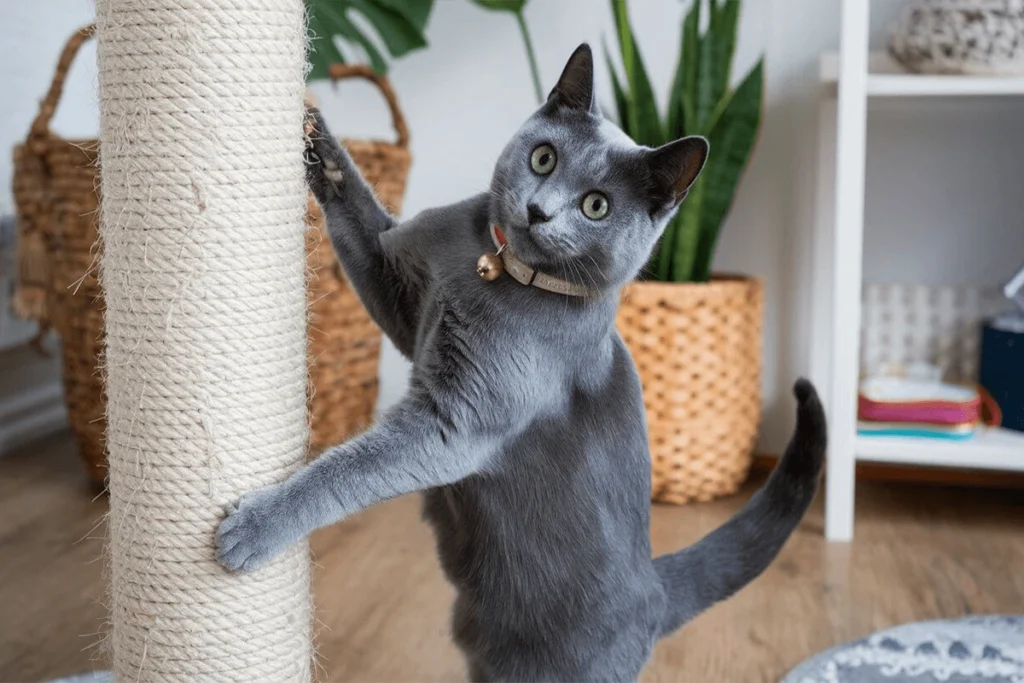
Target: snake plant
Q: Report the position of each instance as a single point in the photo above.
(701, 102)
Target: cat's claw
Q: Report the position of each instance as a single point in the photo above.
(246, 537)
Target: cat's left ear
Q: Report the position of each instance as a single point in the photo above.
(674, 168)
(575, 87)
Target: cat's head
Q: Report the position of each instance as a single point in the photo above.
(577, 197)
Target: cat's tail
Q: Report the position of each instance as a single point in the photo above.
(733, 555)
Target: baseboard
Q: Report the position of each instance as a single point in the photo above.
(31, 414)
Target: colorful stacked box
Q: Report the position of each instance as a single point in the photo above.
(900, 406)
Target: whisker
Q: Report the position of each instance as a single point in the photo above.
(596, 264)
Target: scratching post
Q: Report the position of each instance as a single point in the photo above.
(203, 268)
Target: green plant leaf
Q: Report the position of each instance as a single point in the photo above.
(660, 264)
(680, 120)
(514, 6)
(701, 102)
(690, 61)
(643, 121)
(399, 24)
(416, 11)
(676, 119)
(400, 35)
(323, 52)
(687, 234)
(351, 33)
(717, 47)
(732, 142)
(621, 104)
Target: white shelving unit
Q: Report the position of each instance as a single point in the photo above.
(989, 449)
(850, 78)
(887, 79)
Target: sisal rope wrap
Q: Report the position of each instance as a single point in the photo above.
(203, 270)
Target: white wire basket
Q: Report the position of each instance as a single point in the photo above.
(973, 37)
(903, 325)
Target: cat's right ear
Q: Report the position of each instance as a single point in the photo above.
(673, 169)
(575, 87)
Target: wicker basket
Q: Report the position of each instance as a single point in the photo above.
(698, 350)
(55, 182)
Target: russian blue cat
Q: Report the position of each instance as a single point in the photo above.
(523, 424)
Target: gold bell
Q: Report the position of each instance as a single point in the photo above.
(489, 266)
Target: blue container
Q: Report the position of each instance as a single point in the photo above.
(1002, 373)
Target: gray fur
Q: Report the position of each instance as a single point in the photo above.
(524, 424)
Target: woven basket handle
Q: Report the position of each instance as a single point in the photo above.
(339, 72)
(41, 124)
(991, 413)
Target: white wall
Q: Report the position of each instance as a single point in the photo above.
(469, 91)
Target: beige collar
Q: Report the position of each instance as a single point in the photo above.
(526, 275)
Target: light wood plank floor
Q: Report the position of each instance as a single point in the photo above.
(921, 552)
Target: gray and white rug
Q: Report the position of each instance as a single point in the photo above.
(986, 649)
(972, 650)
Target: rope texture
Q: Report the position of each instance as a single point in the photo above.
(203, 267)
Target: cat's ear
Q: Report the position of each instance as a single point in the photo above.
(575, 87)
(674, 168)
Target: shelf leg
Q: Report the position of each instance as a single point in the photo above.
(847, 264)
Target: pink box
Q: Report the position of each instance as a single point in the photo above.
(884, 399)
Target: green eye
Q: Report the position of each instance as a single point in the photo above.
(595, 206)
(543, 159)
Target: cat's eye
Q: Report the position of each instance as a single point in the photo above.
(543, 159)
(595, 206)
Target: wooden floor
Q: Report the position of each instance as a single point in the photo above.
(921, 552)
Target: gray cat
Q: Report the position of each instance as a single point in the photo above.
(523, 423)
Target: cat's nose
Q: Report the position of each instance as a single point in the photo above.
(535, 215)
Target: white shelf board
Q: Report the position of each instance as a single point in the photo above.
(989, 448)
(886, 78)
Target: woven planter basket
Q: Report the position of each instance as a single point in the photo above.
(55, 191)
(698, 349)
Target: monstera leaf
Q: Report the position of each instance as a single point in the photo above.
(398, 24)
(513, 6)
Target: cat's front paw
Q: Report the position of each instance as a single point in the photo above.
(324, 158)
(253, 532)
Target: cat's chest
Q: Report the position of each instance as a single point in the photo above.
(481, 365)
(474, 321)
